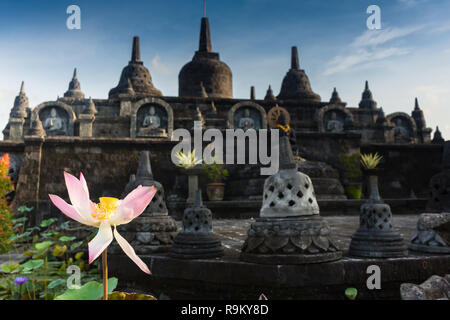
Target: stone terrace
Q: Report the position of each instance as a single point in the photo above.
(230, 278)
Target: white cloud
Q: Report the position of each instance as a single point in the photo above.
(159, 66)
(441, 28)
(369, 48)
(361, 57)
(379, 37)
(411, 3)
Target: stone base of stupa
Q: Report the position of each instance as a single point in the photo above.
(376, 237)
(293, 240)
(189, 245)
(384, 244)
(151, 234)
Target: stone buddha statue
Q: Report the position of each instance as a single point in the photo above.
(54, 125)
(151, 126)
(334, 125)
(151, 120)
(400, 132)
(246, 122)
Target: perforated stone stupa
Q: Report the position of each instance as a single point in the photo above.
(153, 230)
(290, 229)
(376, 236)
(197, 239)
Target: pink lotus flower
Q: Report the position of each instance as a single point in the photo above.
(110, 212)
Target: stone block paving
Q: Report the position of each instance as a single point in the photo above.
(234, 231)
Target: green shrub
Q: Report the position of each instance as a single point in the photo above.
(215, 172)
(6, 223)
(351, 165)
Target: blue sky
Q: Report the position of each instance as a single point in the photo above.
(408, 57)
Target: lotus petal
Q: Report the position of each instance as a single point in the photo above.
(67, 209)
(133, 205)
(129, 251)
(101, 241)
(78, 196)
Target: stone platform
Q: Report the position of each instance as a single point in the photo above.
(229, 278)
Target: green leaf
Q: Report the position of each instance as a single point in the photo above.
(7, 268)
(43, 245)
(90, 291)
(351, 293)
(23, 219)
(33, 264)
(79, 255)
(75, 245)
(56, 283)
(47, 223)
(66, 239)
(25, 209)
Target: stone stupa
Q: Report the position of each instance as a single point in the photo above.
(154, 229)
(197, 239)
(290, 229)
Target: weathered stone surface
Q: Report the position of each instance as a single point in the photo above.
(205, 70)
(154, 229)
(367, 101)
(197, 240)
(290, 241)
(74, 90)
(433, 234)
(435, 288)
(289, 230)
(376, 237)
(137, 74)
(21, 104)
(296, 84)
(232, 279)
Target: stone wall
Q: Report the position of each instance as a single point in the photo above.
(406, 168)
(108, 163)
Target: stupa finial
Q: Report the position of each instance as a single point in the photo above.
(205, 36)
(294, 59)
(136, 51)
(144, 168)
(416, 105)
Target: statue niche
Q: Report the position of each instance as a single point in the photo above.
(247, 118)
(402, 130)
(55, 121)
(334, 121)
(152, 121)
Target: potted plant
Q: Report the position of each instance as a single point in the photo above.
(352, 175)
(192, 167)
(369, 164)
(216, 175)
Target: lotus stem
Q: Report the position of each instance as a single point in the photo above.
(105, 273)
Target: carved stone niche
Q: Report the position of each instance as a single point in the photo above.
(404, 127)
(334, 119)
(151, 117)
(247, 115)
(57, 118)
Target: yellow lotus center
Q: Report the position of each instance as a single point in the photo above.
(105, 209)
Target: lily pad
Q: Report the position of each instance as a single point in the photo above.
(89, 291)
(66, 239)
(32, 264)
